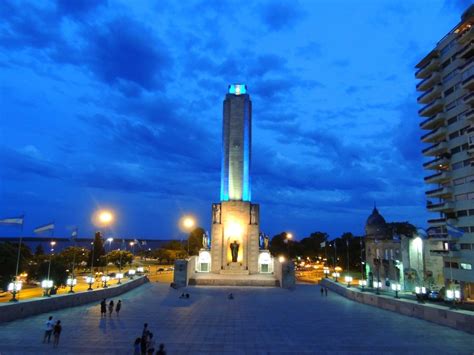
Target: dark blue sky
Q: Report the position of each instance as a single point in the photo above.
(119, 104)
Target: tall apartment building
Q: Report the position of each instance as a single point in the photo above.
(447, 84)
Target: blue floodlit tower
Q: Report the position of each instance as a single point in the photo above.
(236, 144)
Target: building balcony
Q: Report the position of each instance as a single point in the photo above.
(439, 252)
(466, 36)
(441, 163)
(427, 83)
(437, 135)
(467, 51)
(437, 178)
(430, 95)
(435, 149)
(434, 121)
(469, 99)
(440, 207)
(437, 222)
(469, 115)
(468, 83)
(432, 108)
(466, 65)
(427, 69)
(441, 192)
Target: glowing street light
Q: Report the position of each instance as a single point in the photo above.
(420, 293)
(14, 287)
(105, 279)
(46, 285)
(90, 280)
(377, 285)
(119, 276)
(106, 217)
(335, 275)
(396, 287)
(187, 224)
(348, 280)
(71, 282)
(326, 272)
(362, 284)
(140, 270)
(131, 273)
(281, 259)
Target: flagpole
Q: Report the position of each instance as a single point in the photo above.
(19, 250)
(73, 260)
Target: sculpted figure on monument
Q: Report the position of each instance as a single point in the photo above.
(265, 242)
(234, 248)
(261, 240)
(216, 213)
(253, 214)
(205, 240)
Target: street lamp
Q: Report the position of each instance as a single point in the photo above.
(377, 285)
(131, 273)
(348, 280)
(90, 280)
(420, 293)
(109, 240)
(140, 270)
(288, 237)
(187, 223)
(335, 275)
(105, 279)
(362, 284)
(46, 285)
(71, 282)
(119, 276)
(453, 295)
(14, 287)
(396, 287)
(326, 272)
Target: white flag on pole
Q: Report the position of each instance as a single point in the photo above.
(46, 227)
(12, 220)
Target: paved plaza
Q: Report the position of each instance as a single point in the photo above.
(257, 321)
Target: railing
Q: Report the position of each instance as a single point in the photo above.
(466, 64)
(466, 49)
(433, 176)
(435, 102)
(430, 119)
(432, 146)
(435, 190)
(434, 161)
(468, 97)
(464, 82)
(434, 132)
(435, 205)
(426, 93)
(471, 112)
(437, 220)
(424, 81)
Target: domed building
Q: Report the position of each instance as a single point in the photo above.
(376, 227)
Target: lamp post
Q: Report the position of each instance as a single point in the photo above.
(335, 275)
(453, 295)
(140, 270)
(119, 277)
(105, 279)
(52, 243)
(326, 272)
(348, 280)
(187, 224)
(288, 238)
(71, 282)
(420, 293)
(46, 285)
(90, 281)
(131, 273)
(396, 287)
(377, 285)
(362, 284)
(14, 288)
(109, 240)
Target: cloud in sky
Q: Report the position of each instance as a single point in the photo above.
(119, 103)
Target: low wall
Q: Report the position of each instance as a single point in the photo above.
(184, 269)
(461, 320)
(26, 308)
(285, 273)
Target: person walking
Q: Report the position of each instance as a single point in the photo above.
(150, 346)
(103, 308)
(322, 290)
(161, 350)
(48, 330)
(118, 307)
(57, 333)
(111, 308)
(326, 291)
(136, 346)
(144, 339)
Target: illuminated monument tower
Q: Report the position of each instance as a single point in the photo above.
(235, 245)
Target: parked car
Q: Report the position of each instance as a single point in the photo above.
(160, 269)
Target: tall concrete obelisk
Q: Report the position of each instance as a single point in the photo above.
(235, 220)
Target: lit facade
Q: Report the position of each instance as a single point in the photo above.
(447, 94)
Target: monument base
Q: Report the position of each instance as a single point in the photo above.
(256, 280)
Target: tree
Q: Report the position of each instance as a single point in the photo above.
(98, 251)
(120, 257)
(195, 240)
(280, 245)
(58, 271)
(173, 245)
(311, 246)
(74, 254)
(8, 259)
(39, 250)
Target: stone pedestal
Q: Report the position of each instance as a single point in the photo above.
(235, 221)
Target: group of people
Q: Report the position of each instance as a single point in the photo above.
(184, 295)
(324, 290)
(111, 307)
(146, 344)
(52, 328)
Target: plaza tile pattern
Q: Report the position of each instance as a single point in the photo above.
(257, 321)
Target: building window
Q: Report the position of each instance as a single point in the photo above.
(466, 266)
(454, 135)
(471, 212)
(462, 213)
(461, 197)
(465, 246)
(457, 165)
